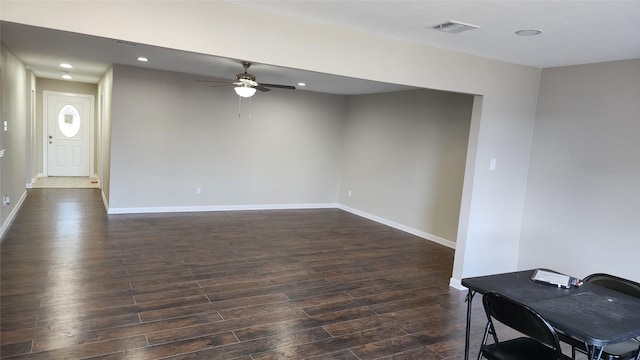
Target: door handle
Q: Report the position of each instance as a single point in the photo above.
(50, 139)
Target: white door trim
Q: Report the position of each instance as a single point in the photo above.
(45, 127)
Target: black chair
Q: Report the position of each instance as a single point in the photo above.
(625, 350)
(612, 282)
(541, 341)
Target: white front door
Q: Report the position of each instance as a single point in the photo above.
(69, 119)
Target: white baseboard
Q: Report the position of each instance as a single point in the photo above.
(104, 200)
(407, 229)
(12, 215)
(174, 209)
(456, 284)
(29, 185)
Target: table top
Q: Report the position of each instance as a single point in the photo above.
(590, 313)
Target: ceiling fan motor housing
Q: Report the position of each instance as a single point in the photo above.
(245, 76)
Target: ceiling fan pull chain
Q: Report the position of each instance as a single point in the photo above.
(250, 107)
(239, 105)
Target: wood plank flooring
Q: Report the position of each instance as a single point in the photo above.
(77, 283)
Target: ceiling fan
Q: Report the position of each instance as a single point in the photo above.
(246, 85)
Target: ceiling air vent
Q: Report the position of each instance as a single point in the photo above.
(124, 43)
(454, 27)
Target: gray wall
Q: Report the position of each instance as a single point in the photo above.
(401, 154)
(103, 125)
(15, 110)
(172, 134)
(582, 212)
(404, 158)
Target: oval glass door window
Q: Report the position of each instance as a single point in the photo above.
(69, 121)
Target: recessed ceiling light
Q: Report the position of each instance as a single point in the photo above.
(529, 32)
(302, 84)
(142, 59)
(66, 66)
(67, 77)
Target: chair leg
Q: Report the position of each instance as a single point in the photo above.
(484, 338)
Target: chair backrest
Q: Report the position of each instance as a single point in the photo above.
(612, 282)
(521, 318)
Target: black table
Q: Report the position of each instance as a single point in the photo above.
(590, 313)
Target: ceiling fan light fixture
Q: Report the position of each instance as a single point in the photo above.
(245, 91)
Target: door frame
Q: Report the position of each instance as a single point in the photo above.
(45, 128)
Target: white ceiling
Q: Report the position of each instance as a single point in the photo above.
(42, 50)
(574, 32)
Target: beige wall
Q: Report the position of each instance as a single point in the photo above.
(582, 213)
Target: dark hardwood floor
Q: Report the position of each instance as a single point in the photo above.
(77, 283)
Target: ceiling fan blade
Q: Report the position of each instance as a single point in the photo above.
(288, 87)
(216, 81)
(247, 80)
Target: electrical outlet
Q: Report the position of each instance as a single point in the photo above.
(198, 190)
(349, 193)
